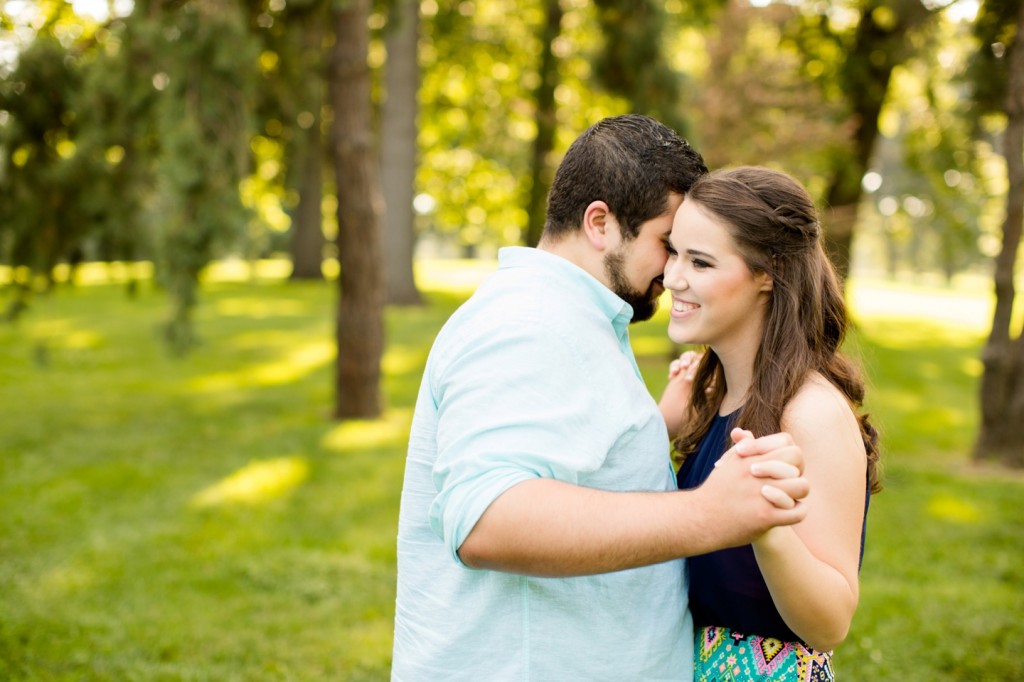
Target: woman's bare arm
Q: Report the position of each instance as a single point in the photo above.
(811, 568)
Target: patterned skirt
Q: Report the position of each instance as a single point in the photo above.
(722, 655)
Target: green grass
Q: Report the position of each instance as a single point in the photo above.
(203, 519)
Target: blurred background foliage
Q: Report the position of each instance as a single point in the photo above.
(180, 132)
(121, 121)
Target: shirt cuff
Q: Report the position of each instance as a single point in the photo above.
(457, 508)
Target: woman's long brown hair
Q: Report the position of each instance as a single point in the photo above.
(772, 219)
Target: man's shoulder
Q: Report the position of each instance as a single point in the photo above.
(511, 301)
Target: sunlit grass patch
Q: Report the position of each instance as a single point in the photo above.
(291, 365)
(255, 483)
(460, 276)
(953, 509)
(390, 430)
(968, 310)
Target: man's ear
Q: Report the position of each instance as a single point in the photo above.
(599, 225)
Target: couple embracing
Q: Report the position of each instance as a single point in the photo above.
(544, 532)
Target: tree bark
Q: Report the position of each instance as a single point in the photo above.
(541, 172)
(398, 152)
(307, 226)
(1001, 435)
(308, 151)
(360, 324)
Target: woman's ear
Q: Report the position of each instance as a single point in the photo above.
(767, 282)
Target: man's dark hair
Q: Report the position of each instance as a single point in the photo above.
(629, 162)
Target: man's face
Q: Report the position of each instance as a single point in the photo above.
(636, 267)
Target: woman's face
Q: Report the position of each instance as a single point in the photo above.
(716, 300)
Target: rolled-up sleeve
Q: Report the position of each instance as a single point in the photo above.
(513, 406)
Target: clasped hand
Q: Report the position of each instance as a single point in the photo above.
(778, 459)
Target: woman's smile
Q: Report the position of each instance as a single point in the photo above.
(681, 308)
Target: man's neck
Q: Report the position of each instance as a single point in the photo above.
(577, 250)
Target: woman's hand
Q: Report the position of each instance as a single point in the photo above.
(785, 468)
(676, 397)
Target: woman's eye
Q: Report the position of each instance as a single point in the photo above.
(700, 264)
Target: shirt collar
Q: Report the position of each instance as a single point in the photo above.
(619, 312)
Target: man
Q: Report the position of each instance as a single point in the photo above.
(540, 533)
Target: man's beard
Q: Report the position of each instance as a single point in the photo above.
(644, 303)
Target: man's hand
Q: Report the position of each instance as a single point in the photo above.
(545, 527)
(785, 466)
(756, 485)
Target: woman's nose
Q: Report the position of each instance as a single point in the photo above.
(673, 278)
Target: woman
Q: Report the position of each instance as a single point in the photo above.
(750, 281)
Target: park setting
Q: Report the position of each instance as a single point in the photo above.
(218, 299)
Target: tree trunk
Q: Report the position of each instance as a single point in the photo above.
(398, 152)
(1001, 435)
(541, 172)
(307, 226)
(633, 60)
(840, 219)
(360, 330)
(876, 51)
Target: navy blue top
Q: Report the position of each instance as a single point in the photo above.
(726, 586)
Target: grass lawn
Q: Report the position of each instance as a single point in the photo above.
(203, 519)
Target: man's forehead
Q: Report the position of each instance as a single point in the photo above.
(659, 227)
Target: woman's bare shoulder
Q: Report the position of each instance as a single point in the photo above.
(820, 407)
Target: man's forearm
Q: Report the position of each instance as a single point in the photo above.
(544, 527)
(549, 528)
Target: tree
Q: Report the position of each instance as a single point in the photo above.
(151, 111)
(933, 184)
(753, 104)
(307, 158)
(632, 63)
(477, 118)
(71, 129)
(40, 201)
(207, 65)
(307, 162)
(855, 64)
(1001, 29)
(541, 167)
(115, 108)
(398, 151)
(360, 319)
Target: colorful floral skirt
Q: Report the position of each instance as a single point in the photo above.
(722, 655)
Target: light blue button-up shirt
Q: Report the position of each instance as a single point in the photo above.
(532, 377)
